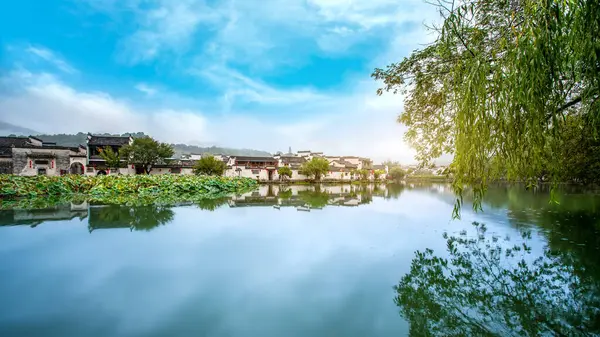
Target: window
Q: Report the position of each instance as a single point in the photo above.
(176, 170)
(41, 162)
(89, 169)
(255, 171)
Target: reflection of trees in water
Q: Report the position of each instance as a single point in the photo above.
(134, 217)
(212, 203)
(488, 287)
(315, 198)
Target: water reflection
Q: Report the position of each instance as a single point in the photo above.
(135, 218)
(488, 286)
(311, 197)
(34, 217)
(301, 197)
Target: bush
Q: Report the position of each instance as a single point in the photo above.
(378, 173)
(316, 168)
(284, 172)
(397, 173)
(209, 166)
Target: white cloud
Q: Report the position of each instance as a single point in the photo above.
(237, 87)
(146, 89)
(248, 31)
(361, 123)
(51, 57)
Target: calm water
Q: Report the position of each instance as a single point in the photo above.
(303, 261)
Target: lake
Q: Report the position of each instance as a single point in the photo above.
(306, 261)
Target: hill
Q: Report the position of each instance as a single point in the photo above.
(7, 128)
(80, 138)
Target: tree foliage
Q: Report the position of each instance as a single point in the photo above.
(378, 174)
(397, 173)
(112, 158)
(316, 167)
(209, 165)
(495, 87)
(363, 174)
(284, 172)
(146, 152)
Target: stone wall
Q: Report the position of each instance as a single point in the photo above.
(19, 161)
(6, 166)
(63, 161)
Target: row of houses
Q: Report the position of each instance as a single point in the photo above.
(31, 156)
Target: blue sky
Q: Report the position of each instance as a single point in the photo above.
(264, 74)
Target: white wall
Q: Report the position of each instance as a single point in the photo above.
(32, 170)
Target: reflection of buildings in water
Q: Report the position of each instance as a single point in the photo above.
(34, 217)
(303, 197)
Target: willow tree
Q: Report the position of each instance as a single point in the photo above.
(495, 86)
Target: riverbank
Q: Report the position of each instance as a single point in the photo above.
(122, 189)
(324, 182)
(419, 178)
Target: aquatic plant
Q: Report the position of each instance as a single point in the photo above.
(122, 188)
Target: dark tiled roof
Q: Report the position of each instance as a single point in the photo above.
(36, 138)
(379, 167)
(255, 159)
(108, 140)
(5, 152)
(289, 160)
(348, 164)
(14, 141)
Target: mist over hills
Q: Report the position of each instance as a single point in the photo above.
(7, 129)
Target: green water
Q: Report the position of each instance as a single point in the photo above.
(305, 261)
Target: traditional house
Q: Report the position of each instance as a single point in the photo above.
(175, 166)
(97, 165)
(294, 163)
(30, 156)
(259, 168)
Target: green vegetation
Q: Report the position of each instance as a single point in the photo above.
(138, 189)
(397, 173)
(314, 199)
(284, 172)
(112, 159)
(499, 88)
(377, 174)
(146, 152)
(363, 174)
(315, 168)
(209, 165)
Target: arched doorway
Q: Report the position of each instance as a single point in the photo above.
(76, 168)
(101, 173)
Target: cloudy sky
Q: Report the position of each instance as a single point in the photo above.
(263, 74)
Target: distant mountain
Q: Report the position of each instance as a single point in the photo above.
(80, 138)
(11, 129)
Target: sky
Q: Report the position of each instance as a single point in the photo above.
(261, 74)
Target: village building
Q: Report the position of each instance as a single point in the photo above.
(294, 163)
(96, 164)
(29, 156)
(259, 168)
